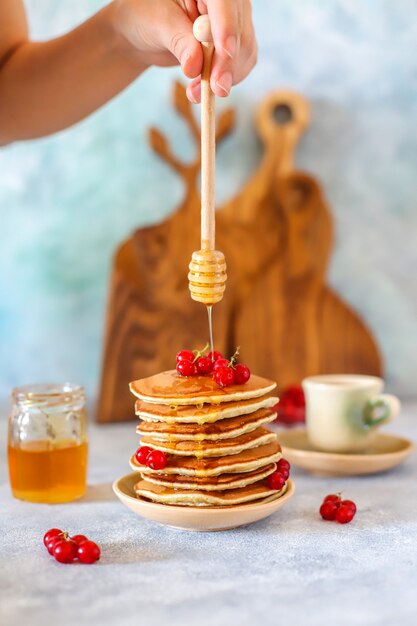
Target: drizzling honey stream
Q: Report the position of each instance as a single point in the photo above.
(207, 269)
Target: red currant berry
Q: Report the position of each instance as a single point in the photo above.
(142, 454)
(65, 551)
(186, 368)
(344, 514)
(242, 374)
(53, 532)
(215, 356)
(328, 510)
(156, 460)
(204, 365)
(283, 464)
(333, 497)
(284, 471)
(185, 355)
(276, 481)
(79, 539)
(349, 503)
(220, 363)
(224, 376)
(88, 552)
(291, 407)
(52, 543)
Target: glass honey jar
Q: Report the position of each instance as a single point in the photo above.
(47, 443)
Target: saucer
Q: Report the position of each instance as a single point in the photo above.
(386, 452)
(205, 518)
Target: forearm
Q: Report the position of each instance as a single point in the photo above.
(45, 87)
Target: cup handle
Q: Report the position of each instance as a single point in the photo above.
(381, 410)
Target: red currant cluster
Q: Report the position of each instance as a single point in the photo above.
(278, 479)
(67, 549)
(225, 372)
(336, 509)
(155, 459)
(292, 405)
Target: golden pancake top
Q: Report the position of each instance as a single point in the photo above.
(173, 389)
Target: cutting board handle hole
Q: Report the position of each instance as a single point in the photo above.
(282, 114)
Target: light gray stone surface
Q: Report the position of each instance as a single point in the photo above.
(290, 569)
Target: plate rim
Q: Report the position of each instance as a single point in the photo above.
(409, 447)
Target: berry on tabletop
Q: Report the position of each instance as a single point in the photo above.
(215, 356)
(328, 510)
(65, 551)
(344, 514)
(334, 508)
(350, 504)
(53, 532)
(79, 539)
(51, 544)
(333, 497)
(88, 552)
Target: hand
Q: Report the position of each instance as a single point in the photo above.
(160, 32)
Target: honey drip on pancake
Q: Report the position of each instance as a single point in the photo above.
(210, 322)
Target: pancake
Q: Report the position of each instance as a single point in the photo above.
(216, 483)
(220, 447)
(245, 461)
(222, 429)
(204, 413)
(184, 497)
(173, 389)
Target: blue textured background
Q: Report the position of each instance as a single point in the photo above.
(68, 200)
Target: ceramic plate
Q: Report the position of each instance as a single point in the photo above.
(386, 452)
(197, 518)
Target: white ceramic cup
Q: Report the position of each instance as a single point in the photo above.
(343, 411)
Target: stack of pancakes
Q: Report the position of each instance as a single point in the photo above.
(219, 452)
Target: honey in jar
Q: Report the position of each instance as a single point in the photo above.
(47, 447)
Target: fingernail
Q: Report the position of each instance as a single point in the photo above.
(231, 45)
(225, 82)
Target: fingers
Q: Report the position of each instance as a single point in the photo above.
(225, 19)
(194, 91)
(235, 45)
(177, 36)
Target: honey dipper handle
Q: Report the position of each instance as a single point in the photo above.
(202, 32)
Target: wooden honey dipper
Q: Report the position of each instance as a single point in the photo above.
(207, 275)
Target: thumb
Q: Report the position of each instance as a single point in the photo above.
(178, 38)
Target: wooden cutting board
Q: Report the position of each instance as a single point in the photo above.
(276, 235)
